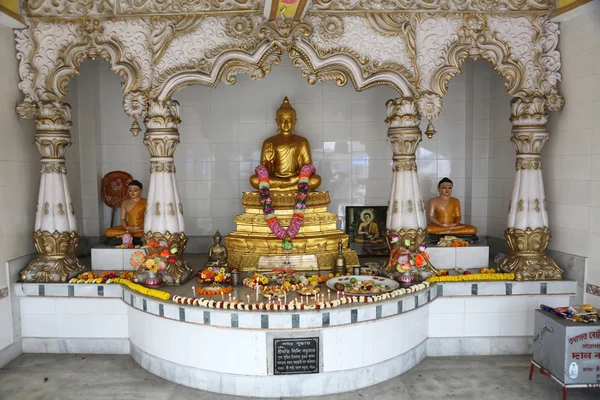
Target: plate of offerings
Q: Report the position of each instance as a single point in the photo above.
(309, 290)
(362, 285)
(273, 293)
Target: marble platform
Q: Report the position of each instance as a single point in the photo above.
(475, 256)
(111, 258)
(362, 344)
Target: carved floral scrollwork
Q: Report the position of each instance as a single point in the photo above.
(480, 35)
(331, 27)
(283, 33)
(430, 105)
(135, 103)
(239, 27)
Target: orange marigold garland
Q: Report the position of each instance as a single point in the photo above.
(214, 291)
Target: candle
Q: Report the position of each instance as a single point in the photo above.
(222, 297)
(338, 294)
(248, 299)
(230, 297)
(285, 297)
(257, 288)
(328, 295)
(194, 291)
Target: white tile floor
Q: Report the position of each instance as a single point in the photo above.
(119, 377)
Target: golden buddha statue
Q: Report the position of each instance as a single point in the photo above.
(444, 213)
(132, 213)
(285, 154)
(217, 253)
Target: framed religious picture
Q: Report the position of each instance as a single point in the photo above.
(366, 228)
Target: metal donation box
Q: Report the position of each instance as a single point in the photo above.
(568, 350)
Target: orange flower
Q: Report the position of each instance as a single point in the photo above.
(419, 260)
(153, 244)
(165, 253)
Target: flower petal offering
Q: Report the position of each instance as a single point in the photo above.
(362, 285)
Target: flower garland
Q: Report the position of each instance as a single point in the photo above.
(213, 274)
(264, 188)
(293, 305)
(159, 294)
(472, 277)
(106, 277)
(215, 291)
(286, 286)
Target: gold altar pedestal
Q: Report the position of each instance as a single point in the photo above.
(318, 235)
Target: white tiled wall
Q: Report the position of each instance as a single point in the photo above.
(223, 130)
(19, 178)
(572, 154)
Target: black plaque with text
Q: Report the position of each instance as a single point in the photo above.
(296, 356)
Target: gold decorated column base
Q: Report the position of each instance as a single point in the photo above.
(416, 237)
(527, 258)
(178, 272)
(56, 261)
(253, 239)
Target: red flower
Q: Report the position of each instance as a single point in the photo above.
(165, 253)
(172, 259)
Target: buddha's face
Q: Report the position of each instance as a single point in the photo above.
(286, 122)
(134, 192)
(445, 189)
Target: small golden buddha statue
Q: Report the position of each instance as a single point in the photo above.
(444, 213)
(132, 213)
(217, 253)
(285, 154)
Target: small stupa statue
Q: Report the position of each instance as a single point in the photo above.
(132, 214)
(444, 213)
(285, 154)
(217, 253)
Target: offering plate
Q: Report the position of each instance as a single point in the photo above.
(386, 284)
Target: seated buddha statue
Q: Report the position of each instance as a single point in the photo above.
(132, 213)
(217, 253)
(368, 229)
(444, 213)
(285, 154)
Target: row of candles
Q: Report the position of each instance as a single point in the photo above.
(317, 298)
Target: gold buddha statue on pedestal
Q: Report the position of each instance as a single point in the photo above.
(444, 213)
(132, 214)
(285, 154)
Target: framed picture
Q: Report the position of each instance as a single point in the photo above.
(366, 228)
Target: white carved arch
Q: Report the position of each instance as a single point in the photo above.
(158, 50)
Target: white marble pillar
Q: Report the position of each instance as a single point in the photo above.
(406, 209)
(164, 212)
(527, 234)
(55, 232)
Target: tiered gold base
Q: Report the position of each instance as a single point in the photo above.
(318, 235)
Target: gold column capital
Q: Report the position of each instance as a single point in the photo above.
(162, 115)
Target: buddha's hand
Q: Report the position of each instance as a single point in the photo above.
(269, 152)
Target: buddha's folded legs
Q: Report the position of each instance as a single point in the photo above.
(118, 231)
(462, 229)
(278, 184)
